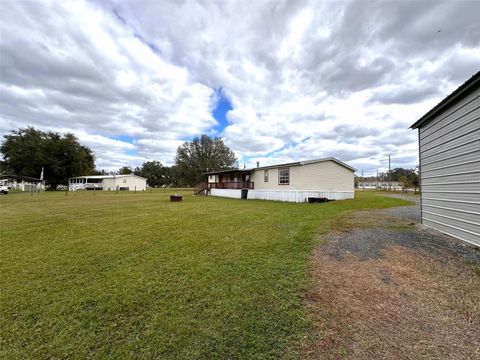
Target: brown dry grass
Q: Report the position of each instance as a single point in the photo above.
(402, 305)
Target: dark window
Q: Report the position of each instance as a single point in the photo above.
(265, 175)
(284, 176)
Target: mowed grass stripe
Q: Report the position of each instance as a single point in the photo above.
(135, 276)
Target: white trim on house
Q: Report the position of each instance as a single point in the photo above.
(284, 195)
(306, 162)
(230, 193)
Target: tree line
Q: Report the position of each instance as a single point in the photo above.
(27, 151)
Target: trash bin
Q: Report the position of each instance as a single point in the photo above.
(244, 193)
(317, 199)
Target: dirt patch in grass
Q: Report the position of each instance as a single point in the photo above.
(385, 288)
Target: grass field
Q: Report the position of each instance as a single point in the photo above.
(135, 276)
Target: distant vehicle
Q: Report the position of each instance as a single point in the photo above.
(3, 187)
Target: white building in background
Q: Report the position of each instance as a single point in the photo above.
(327, 178)
(22, 183)
(128, 182)
(381, 184)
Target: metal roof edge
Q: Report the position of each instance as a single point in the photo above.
(305, 162)
(296, 163)
(22, 177)
(331, 158)
(461, 91)
(224, 171)
(106, 176)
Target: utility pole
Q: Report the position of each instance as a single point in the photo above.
(376, 181)
(363, 182)
(389, 174)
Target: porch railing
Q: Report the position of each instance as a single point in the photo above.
(84, 186)
(232, 185)
(200, 188)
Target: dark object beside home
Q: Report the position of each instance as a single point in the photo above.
(244, 193)
(317, 199)
(175, 197)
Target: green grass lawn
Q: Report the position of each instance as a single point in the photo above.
(135, 276)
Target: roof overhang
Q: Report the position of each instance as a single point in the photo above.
(227, 171)
(306, 162)
(107, 176)
(19, 177)
(296, 163)
(466, 88)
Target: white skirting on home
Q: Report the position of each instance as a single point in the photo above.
(231, 193)
(284, 195)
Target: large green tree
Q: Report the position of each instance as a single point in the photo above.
(155, 173)
(26, 151)
(396, 174)
(200, 155)
(125, 170)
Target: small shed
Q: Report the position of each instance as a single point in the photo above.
(449, 150)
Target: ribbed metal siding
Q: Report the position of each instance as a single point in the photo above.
(450, 170)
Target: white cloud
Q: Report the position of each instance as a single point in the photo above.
(73, 66)
(306, 78)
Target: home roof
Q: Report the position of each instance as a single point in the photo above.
(20, 177)
(463, 90)
(105, 176)
(297, 163)
(306, 162)
(226, 171)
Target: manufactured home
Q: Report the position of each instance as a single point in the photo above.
(380, 185)
(108, 182)
(449, 149)
(23, 183)
(327, 178)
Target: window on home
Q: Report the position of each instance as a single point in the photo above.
(265, 175)
(284, 176)
(124, 181)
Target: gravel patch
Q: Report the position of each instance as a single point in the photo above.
(411, 213)
(367, 244)
(390, 288)
(399, 226)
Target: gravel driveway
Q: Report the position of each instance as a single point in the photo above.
(391, 288)
(406, 212)
(399, 226)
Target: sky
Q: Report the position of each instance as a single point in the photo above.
(278, 81)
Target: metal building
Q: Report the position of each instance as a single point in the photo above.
(449, 148)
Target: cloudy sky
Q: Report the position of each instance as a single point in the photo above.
(277, 80)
